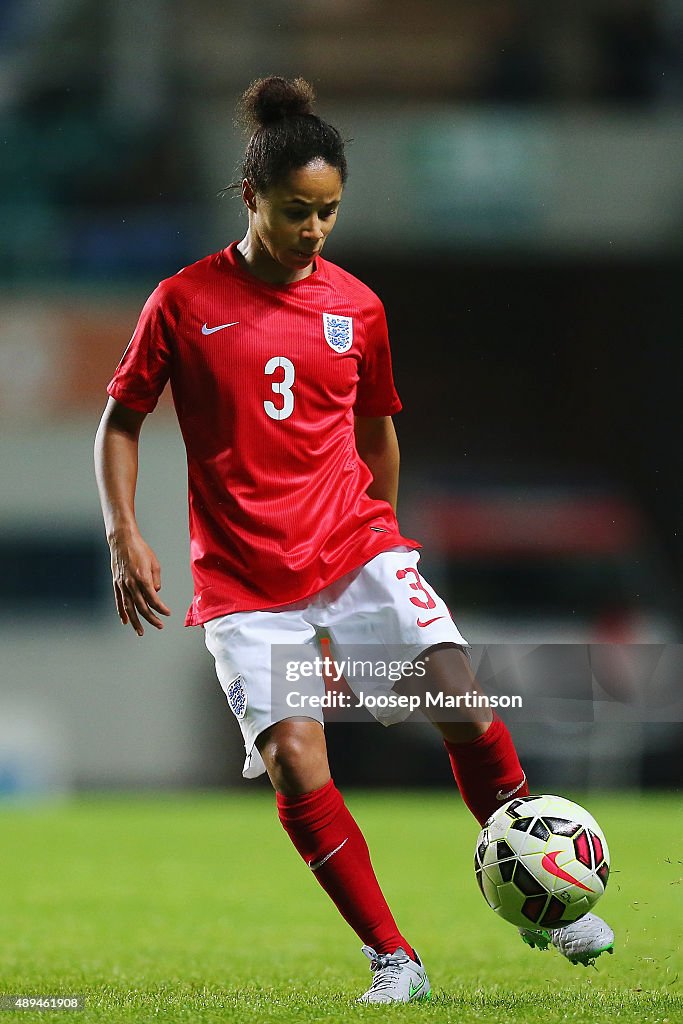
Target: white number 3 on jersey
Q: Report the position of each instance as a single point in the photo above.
(282, 388)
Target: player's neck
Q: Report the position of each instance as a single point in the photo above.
(257, 261)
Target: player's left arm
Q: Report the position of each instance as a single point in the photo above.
(377, 445)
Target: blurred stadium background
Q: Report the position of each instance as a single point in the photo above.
(515, 197)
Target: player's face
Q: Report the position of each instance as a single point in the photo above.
(292, 220)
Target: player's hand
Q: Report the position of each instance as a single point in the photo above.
(136, 575)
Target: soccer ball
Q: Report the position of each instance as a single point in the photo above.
(541, 861)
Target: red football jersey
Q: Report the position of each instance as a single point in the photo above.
(266, 380)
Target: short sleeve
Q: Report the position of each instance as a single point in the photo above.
(376, 394)
(145, 366)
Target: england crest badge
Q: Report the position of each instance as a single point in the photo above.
(237, 698)
(338, 331)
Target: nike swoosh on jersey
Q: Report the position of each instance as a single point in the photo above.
(500, 795)
(221, 327)
(549, 864)
(429, 621)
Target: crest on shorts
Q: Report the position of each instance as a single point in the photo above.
(338, 331)
(237, 697)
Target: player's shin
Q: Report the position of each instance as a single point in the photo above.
(481, 751)
(487, 770)
(327, 837)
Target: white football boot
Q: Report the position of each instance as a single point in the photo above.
(397, 978)
(581, 942)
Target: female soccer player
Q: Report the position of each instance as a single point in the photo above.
(281, 377)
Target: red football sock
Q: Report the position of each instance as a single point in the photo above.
(329, 840)
(487, 770)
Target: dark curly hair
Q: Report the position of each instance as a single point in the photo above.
(285, 133)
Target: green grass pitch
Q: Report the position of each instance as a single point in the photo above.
(195, 908)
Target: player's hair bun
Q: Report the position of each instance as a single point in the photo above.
(268, 100)
(284, 133)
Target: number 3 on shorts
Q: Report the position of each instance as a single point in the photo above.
(418, 585)
(281, 387)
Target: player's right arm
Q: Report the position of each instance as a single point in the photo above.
(136, 573)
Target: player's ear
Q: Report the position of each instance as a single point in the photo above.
(248, 195)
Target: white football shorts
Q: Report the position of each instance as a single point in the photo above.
(384, 606)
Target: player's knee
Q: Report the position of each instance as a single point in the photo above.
(294, 754)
